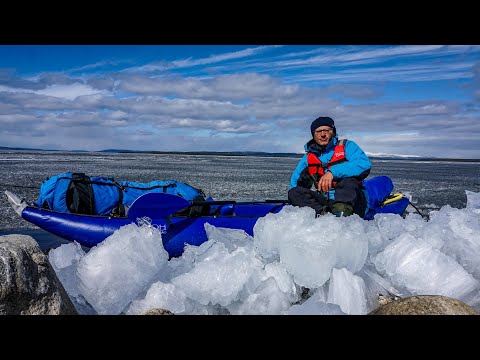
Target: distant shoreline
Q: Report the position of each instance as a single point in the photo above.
(234, 153)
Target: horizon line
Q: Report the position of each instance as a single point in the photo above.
(375, 156)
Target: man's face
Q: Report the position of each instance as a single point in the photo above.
(323, 135)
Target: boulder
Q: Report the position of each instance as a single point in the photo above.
(158, 312)
(425, 305)
(28, 283)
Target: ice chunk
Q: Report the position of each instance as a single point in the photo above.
(267, 299)
(219, 280)
(65, 255)
(348, 291)
(161, 296)
(423, 270)
(113, 273)
(310, 247)
(231, 238)
(473, 199)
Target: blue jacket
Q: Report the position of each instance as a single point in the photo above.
(358, 164)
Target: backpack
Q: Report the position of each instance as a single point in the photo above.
(81, 194)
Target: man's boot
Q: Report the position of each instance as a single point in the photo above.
(321, 210)
(342, 209)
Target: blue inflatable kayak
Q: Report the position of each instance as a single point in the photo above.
(182, 221)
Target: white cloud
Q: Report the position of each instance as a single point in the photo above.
(70, 92)
(186, 63)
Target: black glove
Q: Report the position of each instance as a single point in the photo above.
(305, 179)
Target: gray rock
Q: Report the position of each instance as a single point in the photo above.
(28, 283)
(425, 305)
(158, 312)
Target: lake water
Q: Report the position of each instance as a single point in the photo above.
(431, 184)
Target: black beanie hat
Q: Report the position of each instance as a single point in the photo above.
(322, 121)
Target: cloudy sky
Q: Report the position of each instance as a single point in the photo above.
(421, 100)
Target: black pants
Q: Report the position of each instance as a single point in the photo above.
(347, 190)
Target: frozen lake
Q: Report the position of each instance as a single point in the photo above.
(431, 184)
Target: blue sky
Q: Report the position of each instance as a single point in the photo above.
(421, 100)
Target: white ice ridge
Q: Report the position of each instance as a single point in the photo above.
(294, 264)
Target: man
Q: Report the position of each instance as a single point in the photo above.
(336, 168)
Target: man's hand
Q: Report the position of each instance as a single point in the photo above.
(325, 182)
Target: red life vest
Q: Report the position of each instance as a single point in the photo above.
(316, 167)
